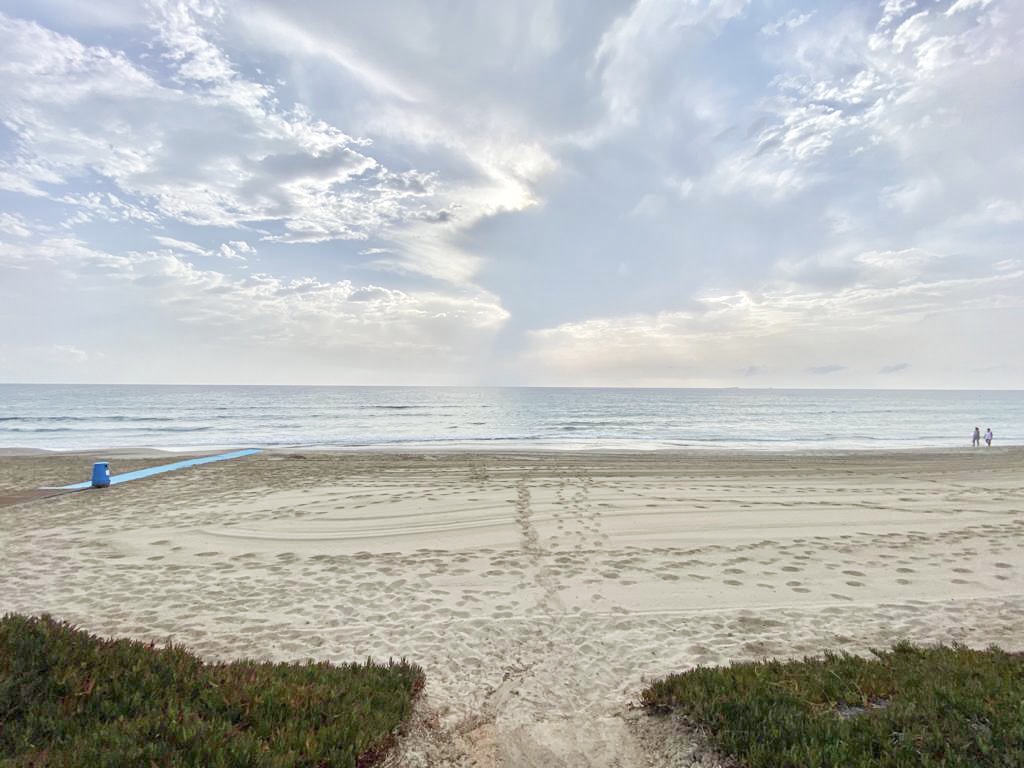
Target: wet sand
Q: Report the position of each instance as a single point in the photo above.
(538, 590)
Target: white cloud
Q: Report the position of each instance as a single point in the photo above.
(660, 192)
(913, 195)
(792, 20)
(780, 329)
(236, 250)
(366, 326)
(633, 47)
(649, 206)
(70, 352)
(966, 5)
(14, 224)
(911, 31)
(208, 147)
(470, 125)
(181, 245)
(105, 206)
(1002, 211)
(279, 32)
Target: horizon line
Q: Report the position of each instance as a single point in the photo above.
(512, 386)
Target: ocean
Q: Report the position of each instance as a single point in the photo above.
(68, 417)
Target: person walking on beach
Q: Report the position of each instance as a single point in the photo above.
(988, 437)
(976, 440)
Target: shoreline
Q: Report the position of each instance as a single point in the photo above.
(418, 450)
(538, 590)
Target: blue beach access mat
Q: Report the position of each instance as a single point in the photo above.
(138, 474)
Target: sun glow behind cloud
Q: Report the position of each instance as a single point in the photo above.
(652, 193)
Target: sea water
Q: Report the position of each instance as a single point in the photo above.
(66, 417)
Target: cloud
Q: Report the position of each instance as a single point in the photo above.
(651, 193)
(14, 224)
(792, 20)
(361, 327)
(896, 368)
(853, 89)
(409, 75)
(776, 331)
(50, 356)
(631, 51)
(966, 5)
(181, 245)
(78, 110)
(236, 250)
(70, 352)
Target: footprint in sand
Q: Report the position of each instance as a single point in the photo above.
(733, 583)
(904, 581)
(1003, 565)
(855, 583)
(853, 573)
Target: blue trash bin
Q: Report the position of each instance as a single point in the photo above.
(100, 474)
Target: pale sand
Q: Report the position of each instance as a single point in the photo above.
(539, 591)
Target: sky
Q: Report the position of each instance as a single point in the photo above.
(695, 193)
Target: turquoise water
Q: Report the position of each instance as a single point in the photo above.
(64, 417)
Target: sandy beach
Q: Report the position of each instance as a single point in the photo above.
(538, 590)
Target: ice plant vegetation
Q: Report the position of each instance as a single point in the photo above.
(69, 698)
(911, 706)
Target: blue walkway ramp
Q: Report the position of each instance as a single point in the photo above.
(138, 474)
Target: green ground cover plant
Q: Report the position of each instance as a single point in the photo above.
(911, 706)
(68, 698)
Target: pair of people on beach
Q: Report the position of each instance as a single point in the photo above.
(976, 442)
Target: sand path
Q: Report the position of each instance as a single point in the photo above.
(538, 591)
